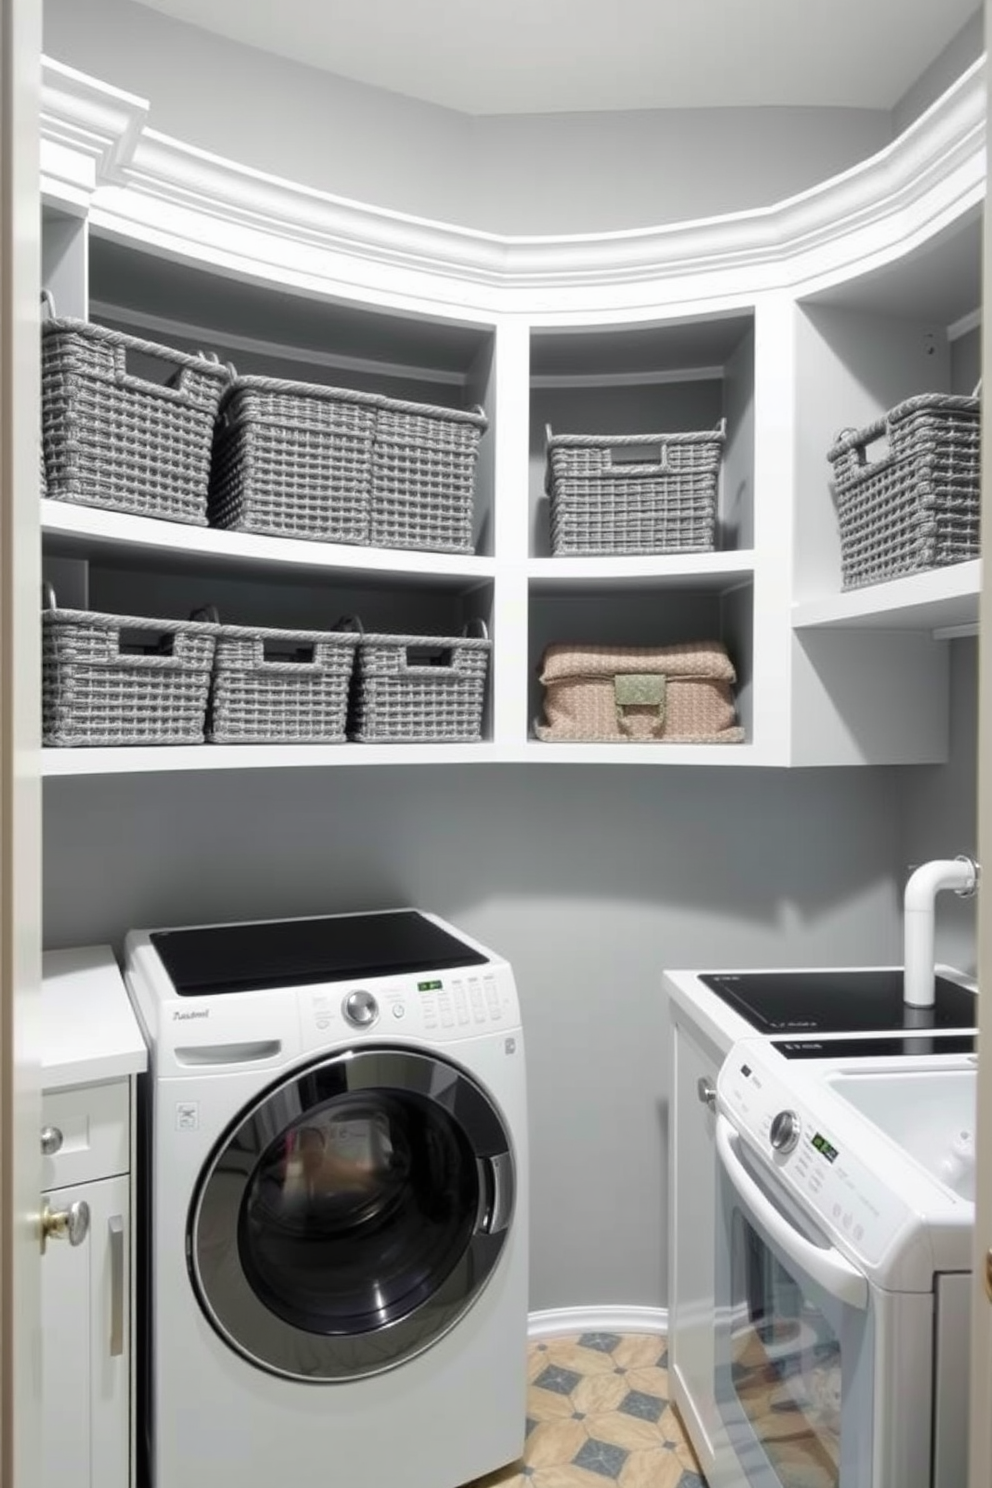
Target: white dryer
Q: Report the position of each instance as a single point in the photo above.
(336, 1203)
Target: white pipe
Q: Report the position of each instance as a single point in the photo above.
(959, 874)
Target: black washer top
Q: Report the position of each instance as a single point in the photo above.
(810, 1002)
(298, 953)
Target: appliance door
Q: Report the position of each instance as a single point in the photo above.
(795, 1339)
(352, 1215)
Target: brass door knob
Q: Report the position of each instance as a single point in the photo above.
(70, 1224)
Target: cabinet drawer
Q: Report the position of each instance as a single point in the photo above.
(93, 1122)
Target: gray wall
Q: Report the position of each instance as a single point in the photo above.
(955, 59)
(531, 174)
(591, 879)
(938, 807)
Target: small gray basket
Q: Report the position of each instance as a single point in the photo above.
(633, 493)
(280, 686)
(293, 459)
(414, 689)
(423, 476)
(117, 679)
(916, 507)
(113, 439)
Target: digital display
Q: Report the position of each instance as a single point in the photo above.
(429, 986)
(824, 1147)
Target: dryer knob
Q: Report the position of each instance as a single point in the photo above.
(361, 1009)
(785, 1132)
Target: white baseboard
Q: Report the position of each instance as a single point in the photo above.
(558, 1320)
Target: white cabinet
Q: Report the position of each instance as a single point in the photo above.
(86, 1322)
(91, 1055)
(790, 323)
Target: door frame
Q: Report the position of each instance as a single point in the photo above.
(20, 761)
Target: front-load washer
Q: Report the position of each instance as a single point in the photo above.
(335, 1167)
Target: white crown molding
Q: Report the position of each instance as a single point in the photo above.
(186, 200)
(89, 119)
(558, 1321)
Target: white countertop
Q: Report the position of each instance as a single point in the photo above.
(89, 1031)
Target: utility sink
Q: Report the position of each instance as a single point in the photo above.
(930, 1114)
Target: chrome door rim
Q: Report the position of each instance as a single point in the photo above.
(224, 1290)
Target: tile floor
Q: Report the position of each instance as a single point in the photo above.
(598, 1413)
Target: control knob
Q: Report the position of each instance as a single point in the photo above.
(361, 1009)
(786, 1131)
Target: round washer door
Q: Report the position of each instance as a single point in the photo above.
(353, 1215)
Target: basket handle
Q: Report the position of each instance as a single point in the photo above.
(350, 623)
(48, 600)
(175, 390)
(208, 613)
(47, 304)
(478, 625)
(632, 457)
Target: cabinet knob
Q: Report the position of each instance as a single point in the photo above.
(51, 1141)
(706, 1091)
(70, 1224)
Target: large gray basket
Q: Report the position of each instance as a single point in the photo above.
(633, 493)
(916, 507)
(294, 459)
(113, 439)
(280, 686)
(118, 679)
(420, 689)
(423, 476)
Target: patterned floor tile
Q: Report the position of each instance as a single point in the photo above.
(654, 1468)
(599, 1416)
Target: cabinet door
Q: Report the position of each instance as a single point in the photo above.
(692, 1304)
(86, 1343)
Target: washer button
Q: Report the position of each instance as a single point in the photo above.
(399, 1010)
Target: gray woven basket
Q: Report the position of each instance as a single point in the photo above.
(293, 459)
(419, 689)
(917, 507)
(423, 477)
(633, 493)
(280, 686)
(113, 439)
(116, 679)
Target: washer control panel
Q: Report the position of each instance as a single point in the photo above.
(818, 1152)
(461, 1003)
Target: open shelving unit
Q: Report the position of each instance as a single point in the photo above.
(786, 338)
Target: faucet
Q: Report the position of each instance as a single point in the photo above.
(960, 874)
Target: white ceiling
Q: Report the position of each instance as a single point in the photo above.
(537, 56)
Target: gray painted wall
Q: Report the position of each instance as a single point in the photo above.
(956, 57)
(531, 174)
(939, 810)
(590, 879)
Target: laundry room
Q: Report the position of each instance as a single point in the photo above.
(767, 271)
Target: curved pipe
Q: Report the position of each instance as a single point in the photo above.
(930, 879)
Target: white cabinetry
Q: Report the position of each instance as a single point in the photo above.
(92, 1052)
(790, 323)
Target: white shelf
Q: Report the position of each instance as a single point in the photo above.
(941, 599)
(95, 533)
(686, 570)
(170, 759)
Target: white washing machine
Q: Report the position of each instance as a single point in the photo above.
(336, 1203)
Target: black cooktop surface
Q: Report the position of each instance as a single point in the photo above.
(811, 1002)
(889, 1046)
(297, 953)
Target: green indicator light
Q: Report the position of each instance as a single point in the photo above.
(428, 986)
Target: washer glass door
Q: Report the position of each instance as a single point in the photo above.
(352, 1216)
